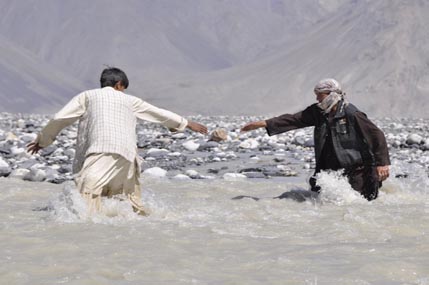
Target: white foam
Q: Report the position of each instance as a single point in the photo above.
(70, 207)
(336, 189)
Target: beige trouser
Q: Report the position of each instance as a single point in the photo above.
(107, 175)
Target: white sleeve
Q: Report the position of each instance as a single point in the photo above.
(69, 114)
(147, 112)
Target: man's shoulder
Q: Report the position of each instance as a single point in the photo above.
(108, 91)
(352, 109)
(313, 108)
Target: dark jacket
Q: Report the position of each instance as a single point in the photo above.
(346, 140)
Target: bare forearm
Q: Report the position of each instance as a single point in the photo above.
(254, 125)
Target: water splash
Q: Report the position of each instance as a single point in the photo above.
(70, 207)
(337, 190)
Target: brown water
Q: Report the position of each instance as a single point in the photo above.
(198, 234)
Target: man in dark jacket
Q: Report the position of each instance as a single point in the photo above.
(344, 138)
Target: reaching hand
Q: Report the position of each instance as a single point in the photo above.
(196, 127)
(33, 147)
(253, 126)
(383, 172)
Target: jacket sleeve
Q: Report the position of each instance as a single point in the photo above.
(69, 114)
(147, 112)
(375, 139)
(287, 122)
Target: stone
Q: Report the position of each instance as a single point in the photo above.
(5, 169)
(218, 135)
(11, 137)
(27, 164)
(17, 151)
(35, 175)
(309, 143)
(48, 150)
(157, 152)
(71, 135)
(19, 173)
(249, 144)
(213, 171)
(191, 145)
(234, 176)
(193, 174)
(178, 136)
(254, 174)
(414, 139)
(4, 150)
(208, 146)
(20, 123)
(181, 177)
(59, 151)
(70, 152)
(251, 169)
(67, 168)
(155, 172)
(27, 138)
(299, 140)
(425, 145)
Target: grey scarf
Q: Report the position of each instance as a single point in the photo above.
(330, 101)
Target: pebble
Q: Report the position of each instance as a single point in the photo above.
(19, 173)
(414, 139)
(35, 175)
(191, 145)
(155, 172)
(193, 174)
(249, 144)
(17, 150)
(181, 177)
(234, 176)
(5, 169)
(27, 138)
(425, 144)
(156, 152)
(254, 174)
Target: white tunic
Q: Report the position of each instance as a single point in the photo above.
(107, 123)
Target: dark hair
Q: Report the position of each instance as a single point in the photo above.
(112, 75)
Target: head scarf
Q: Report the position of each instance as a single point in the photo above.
(333, 88)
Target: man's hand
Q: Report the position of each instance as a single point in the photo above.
(33, 147)
(383, 172)
(253, 126)
(196, 127)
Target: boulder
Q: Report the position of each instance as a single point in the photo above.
(191, 145)
(5, 169)
(19, 173)
(414, 139)
(155, 172)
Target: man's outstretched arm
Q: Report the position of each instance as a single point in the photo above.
(69, 114)
(147, 112)
(253, 126)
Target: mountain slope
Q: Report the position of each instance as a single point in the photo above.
(378, 50)
(216, 56)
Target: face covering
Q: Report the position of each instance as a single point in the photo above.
(329, 102)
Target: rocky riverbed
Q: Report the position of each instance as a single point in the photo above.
(189, 155)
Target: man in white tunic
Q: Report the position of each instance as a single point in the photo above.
(106, 160)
